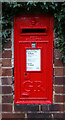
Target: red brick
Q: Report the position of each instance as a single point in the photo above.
(7, 44)
(6, 63)
(0, 89)
(0, 54)
(0, 107)
(59, 98)
(52, 107)
(26, 107)
(64, 106)
(6, 72)
(60, 116)
(58, 62)
(6, 108)
(0, 62)
(0, 71)
(57, 53)
(55, 41)
(13, 116)
(7, 81)
(0, 98)
(64, 71)
(6, 89)
(7, 99)
(60, 89)
(7, 54)
(59, 80)
(39, 115)
(59, 71)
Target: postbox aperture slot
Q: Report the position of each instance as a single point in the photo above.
(33, 30)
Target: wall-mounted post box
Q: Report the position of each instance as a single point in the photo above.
(33, 59)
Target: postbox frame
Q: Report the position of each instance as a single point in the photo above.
(18, 99)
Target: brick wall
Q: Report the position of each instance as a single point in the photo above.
(9, 109)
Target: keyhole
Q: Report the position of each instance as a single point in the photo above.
(25, 74)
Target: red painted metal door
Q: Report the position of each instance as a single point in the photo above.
(33, 42)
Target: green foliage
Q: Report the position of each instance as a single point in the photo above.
(10, 9)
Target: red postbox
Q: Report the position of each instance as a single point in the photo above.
(33, 59)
